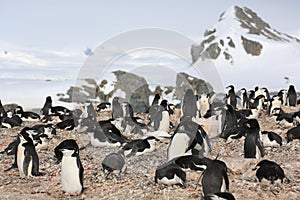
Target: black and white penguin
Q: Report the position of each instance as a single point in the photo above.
(170, 174)
(271, 139)
(103, 106)
(159, 118)
(7, 122)
(47, 129)
(283, 95)
(139, 146)
(41, 142)
(188, 138)
(71, 171)
(189, 105)
(214, 179)
(26, 115)
(49, 109)
(229, 120)
(192, 162)
(231, 97)
(269, 170)
(293, 134)
(292, 96)
(253, 145)
(68, 143)
(67, 124)
(219, 196)
(27, 157)
(244, 98)
(275, 103)
(113, 163)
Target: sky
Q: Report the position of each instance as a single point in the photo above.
(46, 39)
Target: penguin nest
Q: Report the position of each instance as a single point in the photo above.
(138, 180)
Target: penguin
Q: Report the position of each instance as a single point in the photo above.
(292, 96)
(103, 106)
(26, 155)
(189, 105)
(41, 142)
(188, 138)
(275, 103)
(204, 106)
(244, 98)
(159, 118)
(2, 111)
(113, 163)
(215, 178)
(65, 144)
(6, 122)
(156, 100)
(253, 140)
(269, 170)
(231, 97)
(139, 146)
(282, 118)
(219, 196)
(230, 120)
(271, 139)
(48, 109)
(71, 171)
(293, 133)
(170, 174)
(47, 129)
(26, 116)
(68, 124)
(117, 110)
(296, 117)
(192, 162)
(47, 106)
(283, 95)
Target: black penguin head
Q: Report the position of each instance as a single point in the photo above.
(19, 110)
(230, 88)
(48, 99)
(164, 103)
(26, 135)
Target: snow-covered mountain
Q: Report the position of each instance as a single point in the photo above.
(247, 51)
(238, 29)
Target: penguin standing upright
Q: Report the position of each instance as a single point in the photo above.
(253, 140)
(215, 177)
(2, 111)
(188, 104)
(26, 155)
(292, 96)
(71, 171)
(231, 96)
(159, 118)
(117, 110)
(244, 98)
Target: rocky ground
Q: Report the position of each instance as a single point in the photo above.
(138, 180)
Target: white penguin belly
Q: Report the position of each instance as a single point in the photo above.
(70, 175)
(20, 160)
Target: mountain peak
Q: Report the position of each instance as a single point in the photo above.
(237, 26)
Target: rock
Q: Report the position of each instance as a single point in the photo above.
(240, 165)
(185, 81)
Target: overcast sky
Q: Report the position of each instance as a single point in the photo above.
(52, 34)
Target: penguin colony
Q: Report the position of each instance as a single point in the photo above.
(127, 135)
